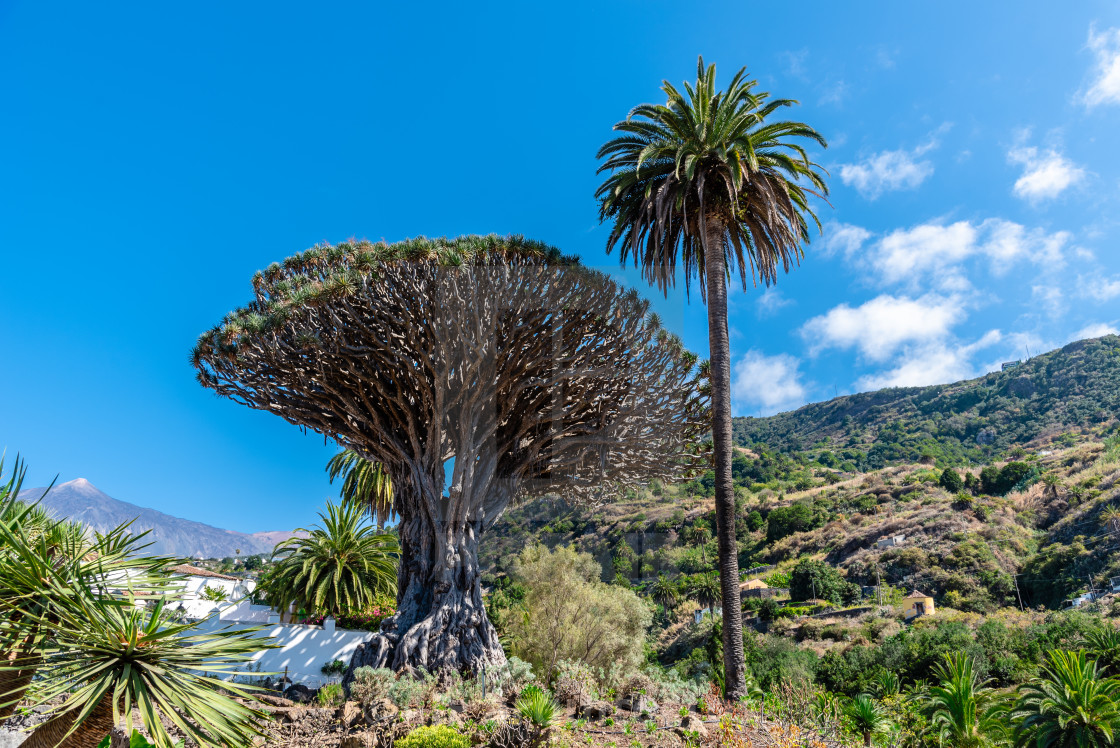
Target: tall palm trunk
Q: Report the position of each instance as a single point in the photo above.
(734, 667)
(52, 733)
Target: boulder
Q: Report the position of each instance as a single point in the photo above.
(592, 709)
(300, 694)
(349, 714)
(638, 702)
(692, 724)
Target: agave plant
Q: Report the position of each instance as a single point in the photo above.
(1070, 704)
(341, 566)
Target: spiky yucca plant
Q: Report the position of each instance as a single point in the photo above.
(341, 566)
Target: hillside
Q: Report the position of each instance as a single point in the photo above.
(80, 500)
(826, 482)
(976, 420)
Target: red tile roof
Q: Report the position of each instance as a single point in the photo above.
(194, 571)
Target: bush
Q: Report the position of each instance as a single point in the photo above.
(571, 615)
(331, 695)
(811, 577)
(951, 481)
(574, 679)
(436, 736)
(371, 685)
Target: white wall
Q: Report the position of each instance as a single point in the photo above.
(303, 649)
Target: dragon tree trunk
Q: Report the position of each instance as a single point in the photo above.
(52, 733)
(441, 622)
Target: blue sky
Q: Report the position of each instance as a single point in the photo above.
(154, 156)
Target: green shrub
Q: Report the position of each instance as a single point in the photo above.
(370, 685)
(331, 695)
(436, 736)
(537, 707)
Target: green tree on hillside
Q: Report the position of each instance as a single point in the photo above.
(711, 178)
(813, 579)
(951, 480)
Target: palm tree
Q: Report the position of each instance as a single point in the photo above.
(1069, 704)
(709, 175)
(1103, 645)
(666, 592)
(365, 482)
(708, 592)
(339, 567)
(867, 717)
(962, 708)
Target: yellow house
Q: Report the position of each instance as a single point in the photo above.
(916, 604)
(754, 584)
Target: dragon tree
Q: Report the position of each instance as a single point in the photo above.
(498, 362)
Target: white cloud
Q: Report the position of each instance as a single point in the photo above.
(843, 238)
(767, 383)
(1049, 298)
(1099, 288)
(770, 302)
(937, 362)
(1096, 331)
(1105, 88)
(887, 171)
(934, 254)
(906, 254)
(835, 92)
(1045, 174)
(879, 327)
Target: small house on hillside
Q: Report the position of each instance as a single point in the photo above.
(916, 604)
(757, 588)
(889, 541)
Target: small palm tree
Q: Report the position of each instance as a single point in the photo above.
(963, 710)
(1069, 704)
(666, 592)
(1103, 645)
(339, 567)
(1110, 519)
(713, 179)
(707, 590)
(867, 717)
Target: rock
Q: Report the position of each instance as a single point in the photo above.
(361, 740)
(457, 705)
(692, 724)
(292, 715)
(349, 714)
(410, 715)
(593, 710)
(639, 702)
(300, 694)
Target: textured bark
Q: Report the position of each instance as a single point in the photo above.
(14, 683)
(441, 622)
(734, 666)
(534, 375)
(52, 733)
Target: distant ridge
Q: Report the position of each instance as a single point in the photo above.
(79, 500)
(969, 422)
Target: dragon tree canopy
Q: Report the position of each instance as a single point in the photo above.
(533, 373)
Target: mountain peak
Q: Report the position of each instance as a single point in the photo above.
(79, 500)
